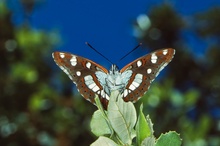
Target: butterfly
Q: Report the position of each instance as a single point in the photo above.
(132, 81)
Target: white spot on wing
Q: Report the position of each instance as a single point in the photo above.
(103, 93)
(138, 80)
(62, 55)
(89, 82)
(107, 97)
(92, 85)
(88, 65)
(96, 88)
(73, 63)
(139, 76)
(125, 92)
(149, 70)
(73, 60)
(135, 84)
(98, 68)
(78, 73)
(165, 52)
(153, 58)
(132, 87)
(139, 63)
(89, 77)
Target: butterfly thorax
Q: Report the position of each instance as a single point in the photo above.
(114, 79)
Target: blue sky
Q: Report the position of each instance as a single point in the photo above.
(106, 25)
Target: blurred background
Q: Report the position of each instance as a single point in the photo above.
(40, 106)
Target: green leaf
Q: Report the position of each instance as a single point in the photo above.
(99, 125)
(104, 141)
(150, 124)
(169, 139)
(149, 141)
(122, 116)
(143, 128)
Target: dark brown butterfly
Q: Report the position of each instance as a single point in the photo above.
(132, 81)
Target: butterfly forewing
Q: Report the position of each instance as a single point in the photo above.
(82, 72)
(144, 71)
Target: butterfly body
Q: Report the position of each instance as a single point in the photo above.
(132, 81)
(114, 80)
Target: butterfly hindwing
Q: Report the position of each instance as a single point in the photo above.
(144, 71)
(82, 72)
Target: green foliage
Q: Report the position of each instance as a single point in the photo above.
(3, 10)
(104, 141)
(211, 20)
(116, 126)
(189, 96)
(122, 118)
(144, 127)
(169, 139)
(38, 107)
(33, 111)
(99, 125)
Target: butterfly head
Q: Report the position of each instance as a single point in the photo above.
(114, 69)
(114, 80)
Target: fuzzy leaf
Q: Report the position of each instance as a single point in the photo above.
(104, 141)
(99, 125)
(169, 139)
(122, 116)
(149, 141)
(143, 129)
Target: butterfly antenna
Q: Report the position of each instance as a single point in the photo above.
(131, 51)
(98, 52)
